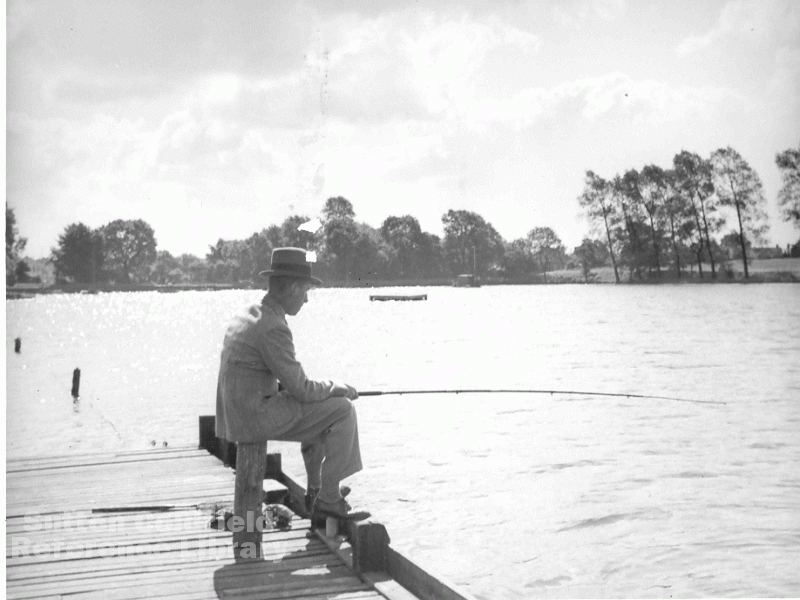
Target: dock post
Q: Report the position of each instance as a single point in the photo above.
(369, 542)
(331, 527)
(208, 437)
(251, 464)
(76, 383)
(274, 468)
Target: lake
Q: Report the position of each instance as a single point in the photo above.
(508, 495)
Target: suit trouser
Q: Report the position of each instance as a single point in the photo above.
(328, 433)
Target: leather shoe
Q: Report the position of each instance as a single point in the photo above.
(338, 510)
(311, 495)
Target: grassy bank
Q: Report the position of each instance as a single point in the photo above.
(761, 271)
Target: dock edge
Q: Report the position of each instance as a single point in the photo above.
(370, 555)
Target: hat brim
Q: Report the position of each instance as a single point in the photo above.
(282, 273)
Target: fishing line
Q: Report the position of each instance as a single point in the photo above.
(103, 417)
(550, 392)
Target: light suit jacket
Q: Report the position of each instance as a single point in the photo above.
(258, 351)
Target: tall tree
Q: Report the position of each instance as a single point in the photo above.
(292, 236)
(470, 243)
(194, 269)
(737, 185)
(653, 190)
(22, 272)
(129, 249)
(14, 246)
(546, 247)
(788, 162)
(431, 261)
(676, 212)
(595, 198)
(626, 196)
(166, 269)
(339, 236)
(694, 175)
(370, 254)
(79, 255)
(340, 239)
(338, 208)
(518, 262)
(260, 246)
(231, 261)
(404, 238)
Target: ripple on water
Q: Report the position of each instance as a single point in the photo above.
(647, 514)
(540, 583)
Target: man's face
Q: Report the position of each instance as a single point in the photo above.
(297, 297)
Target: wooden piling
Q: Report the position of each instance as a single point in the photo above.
(208, 437)
(251, 464)
(76, 383)
(369, 541)
(274, 468)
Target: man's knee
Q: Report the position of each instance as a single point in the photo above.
(342, 407)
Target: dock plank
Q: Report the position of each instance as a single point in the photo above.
(138, 526)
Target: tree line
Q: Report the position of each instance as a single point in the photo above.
(655, 219)
(649, 222)
(347, 251)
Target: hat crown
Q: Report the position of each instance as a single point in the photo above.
(288, 256)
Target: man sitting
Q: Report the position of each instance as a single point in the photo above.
(258, 352)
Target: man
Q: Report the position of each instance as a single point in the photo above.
(257, 354)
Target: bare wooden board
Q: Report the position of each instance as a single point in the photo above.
(139, 526)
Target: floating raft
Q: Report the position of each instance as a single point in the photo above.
(140, 524)
(383, 298)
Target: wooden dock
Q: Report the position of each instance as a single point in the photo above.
(142, 524)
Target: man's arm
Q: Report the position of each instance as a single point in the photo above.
(277, 350)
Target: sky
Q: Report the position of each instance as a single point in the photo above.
(215, 119)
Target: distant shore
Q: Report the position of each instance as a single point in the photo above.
(762, 270)
(771, 270)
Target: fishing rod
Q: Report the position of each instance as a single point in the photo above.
(550, 392)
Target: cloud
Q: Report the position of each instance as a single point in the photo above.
(595, 98)
(402, 66)
(448, 57)
(608, 10)
(578, 15)
(756, 20)
(84, 88)
(161, 39)
(207, 131)
(18, 18)
(369, 78)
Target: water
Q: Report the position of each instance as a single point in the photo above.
(510, 496)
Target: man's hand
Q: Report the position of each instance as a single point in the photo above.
(343, 389)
